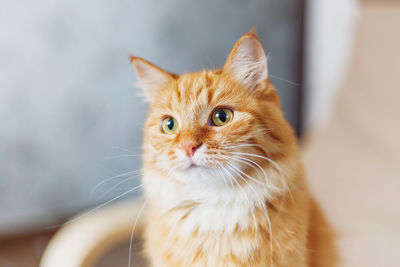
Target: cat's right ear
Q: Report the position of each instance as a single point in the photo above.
(151, 78)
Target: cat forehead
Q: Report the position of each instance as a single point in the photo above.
(195, 95)
(192, 84)
(204, 88)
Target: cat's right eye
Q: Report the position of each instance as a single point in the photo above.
(169, 125)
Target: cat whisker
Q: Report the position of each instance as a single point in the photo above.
(102, 205)
(248, 176)
(250, 162)
(111, 178)
(243, 192)
(262, 204)
(252, 208)
(259, 156)
(253, 165)
(222, 174)
(284, 80)
(133, 230)
(273, 163)
(124, 149)
(117, 184)
(122, 156)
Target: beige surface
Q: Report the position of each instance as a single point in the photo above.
(85, 238)
(354, 164)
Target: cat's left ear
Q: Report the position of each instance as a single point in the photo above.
(247, 62)
(151, 78)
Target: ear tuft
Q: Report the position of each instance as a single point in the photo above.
(252, 32)
(247, 62)
(151, 78)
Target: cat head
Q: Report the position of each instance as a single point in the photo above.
(214, 125)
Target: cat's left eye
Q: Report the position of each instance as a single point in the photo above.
(221, 116)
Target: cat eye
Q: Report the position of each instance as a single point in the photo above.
(169, 125)
(221, 116)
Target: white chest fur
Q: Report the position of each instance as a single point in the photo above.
(204, 206)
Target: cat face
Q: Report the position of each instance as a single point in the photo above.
(213, 123)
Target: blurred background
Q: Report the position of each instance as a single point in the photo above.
(71, 119)
(68, 107)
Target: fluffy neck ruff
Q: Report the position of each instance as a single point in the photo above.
(212, 207)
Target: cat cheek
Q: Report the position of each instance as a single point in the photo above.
(158, 145)
(172, 157)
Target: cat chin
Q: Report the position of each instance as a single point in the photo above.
(194, 171)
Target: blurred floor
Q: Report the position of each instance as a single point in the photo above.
(24, 251)
(354, 163)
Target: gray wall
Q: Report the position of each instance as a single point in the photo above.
(66, 100)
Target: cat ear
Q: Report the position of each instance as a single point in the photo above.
(247, 62)
(151, 78)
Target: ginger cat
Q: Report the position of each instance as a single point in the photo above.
(222, 176)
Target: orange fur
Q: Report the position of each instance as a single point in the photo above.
(246, 202)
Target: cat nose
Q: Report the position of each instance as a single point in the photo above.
(190, 148)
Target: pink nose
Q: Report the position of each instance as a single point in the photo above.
(190, 148)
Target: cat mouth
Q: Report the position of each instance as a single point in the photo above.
(193, 166)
